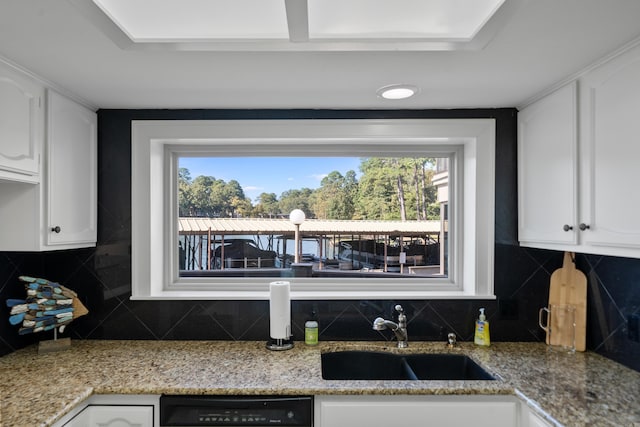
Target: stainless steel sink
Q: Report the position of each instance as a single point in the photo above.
(373, 365)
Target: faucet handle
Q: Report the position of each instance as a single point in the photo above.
(402, 318)
(451, 340)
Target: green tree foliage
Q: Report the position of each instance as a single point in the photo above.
(267, 206)
(206, 196)
(388, 189)
(296, 199)
(376, 190)
(236, 203)
(201, 189)
(186, 206)
(241, 207)
(335, 197)
(396, 189)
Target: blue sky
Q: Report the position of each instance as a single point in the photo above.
(269, 174)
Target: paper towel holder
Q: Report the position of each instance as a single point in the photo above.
(279, 344)
(279, 316)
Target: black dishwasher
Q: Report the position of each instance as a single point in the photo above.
(235, 411)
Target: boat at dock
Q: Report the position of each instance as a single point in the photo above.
(241, 253)
(375, 255)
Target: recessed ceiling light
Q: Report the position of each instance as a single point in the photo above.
(397, 91)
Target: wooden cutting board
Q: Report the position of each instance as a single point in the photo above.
(569, 287)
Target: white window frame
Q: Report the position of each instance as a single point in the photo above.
(156, 145)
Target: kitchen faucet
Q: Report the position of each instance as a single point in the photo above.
(400, 328)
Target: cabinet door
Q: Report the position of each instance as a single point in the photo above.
(547, 172)
(121, 416)
(113, 416)
(20, 126)
(82, 419)
(610, 138)
(71, 174)
(536, 421)
(411, 411)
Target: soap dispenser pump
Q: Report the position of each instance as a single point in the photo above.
(482, 330)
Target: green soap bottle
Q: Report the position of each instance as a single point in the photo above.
(311, 332)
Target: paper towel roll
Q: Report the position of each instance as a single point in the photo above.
(279, 310)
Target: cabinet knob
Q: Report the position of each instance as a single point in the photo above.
(56, 229)
(583, 226)
(567, 227)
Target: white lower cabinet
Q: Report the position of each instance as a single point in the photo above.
(114, 411)
(536, 421)
(113, 416)
(416, 411)
(529, 418)
(336, 411)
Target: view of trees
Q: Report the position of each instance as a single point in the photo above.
(388, 189)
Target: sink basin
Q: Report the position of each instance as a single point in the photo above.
(446, 367)
(372, 365)
(365, 365)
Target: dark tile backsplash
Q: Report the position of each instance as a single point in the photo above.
(102, 275)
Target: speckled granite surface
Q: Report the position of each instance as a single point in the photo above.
(582, 389)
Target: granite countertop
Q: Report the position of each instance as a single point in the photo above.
(581, 389)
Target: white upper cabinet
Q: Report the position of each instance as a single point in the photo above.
(547, 169)
(610, 148)
(21, 121)
(60, 212)
(578, 168)
(71, 172)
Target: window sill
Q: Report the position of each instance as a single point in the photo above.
(317, 295)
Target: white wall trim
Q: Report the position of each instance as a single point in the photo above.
(152, 234)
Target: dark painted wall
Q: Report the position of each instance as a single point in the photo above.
(102, 275)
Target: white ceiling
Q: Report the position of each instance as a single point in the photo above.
(151, 20)
(544, 43)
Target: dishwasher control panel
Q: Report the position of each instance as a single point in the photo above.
(232, 411)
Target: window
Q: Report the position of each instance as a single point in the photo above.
(463, 151)
(369, 217)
